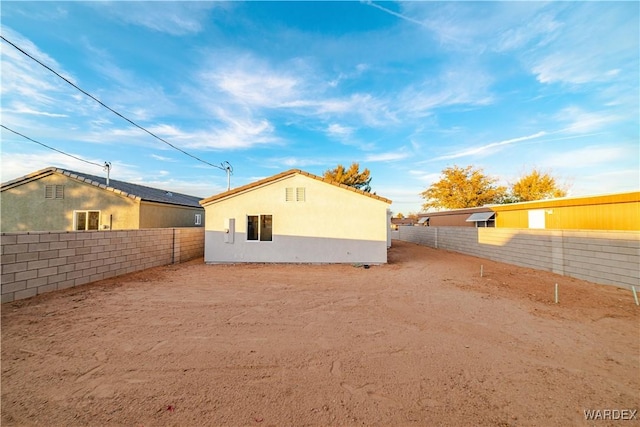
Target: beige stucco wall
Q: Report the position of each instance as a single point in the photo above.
(158, 215)
(24, 208)
(332, 224)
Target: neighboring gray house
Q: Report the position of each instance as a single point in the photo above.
(55, 199)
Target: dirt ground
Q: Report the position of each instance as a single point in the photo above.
(423, 340)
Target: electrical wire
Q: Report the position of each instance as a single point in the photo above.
(50, 148)
(107, 107)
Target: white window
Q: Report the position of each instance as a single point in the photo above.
(54, 191)
(296, 194)
(198, 219)
(260, 227)
(86, 220)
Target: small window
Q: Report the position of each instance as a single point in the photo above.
(54, 191)
(86, 220)
(198, 219)
(260, 228)
(483, 219)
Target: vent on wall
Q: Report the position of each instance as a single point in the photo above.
(54, 191)
(296, 194)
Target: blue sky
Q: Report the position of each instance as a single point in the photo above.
(405, 89)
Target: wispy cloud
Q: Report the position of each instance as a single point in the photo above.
(336, 130)
(489, 148)
(388, 156)
(576, 120)
(180, 18)
(586, 157)
(162, 158)
(396, 14)
(19, 108)
(580, 57)
(459, 85)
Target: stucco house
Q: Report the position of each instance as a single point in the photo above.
(293, 217)
(55, 199)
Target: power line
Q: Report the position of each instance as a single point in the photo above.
(109, 108)
(50, 148)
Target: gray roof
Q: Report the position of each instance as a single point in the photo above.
(480, 216)
(126, 189)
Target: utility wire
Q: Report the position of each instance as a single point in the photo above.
(107, 107)
(50, 148)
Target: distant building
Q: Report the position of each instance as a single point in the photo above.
(55, 199)
(396, 222)
(619, 211)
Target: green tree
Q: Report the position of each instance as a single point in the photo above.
(536, 186)
(462, 188)
(351, 177)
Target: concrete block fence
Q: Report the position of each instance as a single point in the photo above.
(37, 262)
(605, 257)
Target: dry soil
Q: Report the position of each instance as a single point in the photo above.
(423, 340)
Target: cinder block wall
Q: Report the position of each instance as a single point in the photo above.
(606, 257)
(38, 262)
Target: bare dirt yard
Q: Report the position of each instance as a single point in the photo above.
(423, 340)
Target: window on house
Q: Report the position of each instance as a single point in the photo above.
(198, 219)
(296, 194)
(483, 219)
(86, 220)
(424, 221)
(54, 191)
(265, 228)
(260, 227)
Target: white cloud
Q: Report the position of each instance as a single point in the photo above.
(579, 121)
(388, 156)
(539, 29)
(162, 158)
(257, 89)
(18, 164)
(462, 85)
(175, 18)
(24, 80)
(338, 131)
(293, 162)
(20, 108)
(587, 157)
(489, 148)
(580, 57)
(425, 177)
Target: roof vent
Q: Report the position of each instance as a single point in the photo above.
(169, 193)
